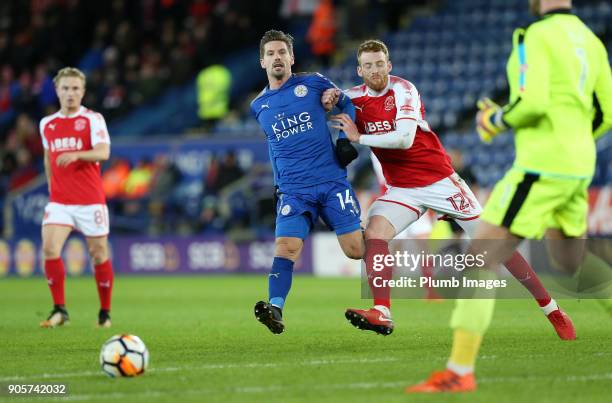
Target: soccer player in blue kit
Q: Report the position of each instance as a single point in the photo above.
(309, 172)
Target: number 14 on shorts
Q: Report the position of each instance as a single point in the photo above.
(346, 199)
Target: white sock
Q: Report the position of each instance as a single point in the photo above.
(552, 306)
(460, 370)
(384, 310)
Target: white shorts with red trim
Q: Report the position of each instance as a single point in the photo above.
(91, 220)
(450, 198)
(421, 228)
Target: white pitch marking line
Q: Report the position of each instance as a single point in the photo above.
(209, 366)
(354, 385)
(231, 366)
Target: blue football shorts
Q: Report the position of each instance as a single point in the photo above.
(335, 202)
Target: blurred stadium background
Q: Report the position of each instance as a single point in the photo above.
(189, 183)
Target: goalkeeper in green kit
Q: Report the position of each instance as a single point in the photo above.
(560, 102)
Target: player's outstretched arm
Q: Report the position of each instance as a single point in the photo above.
(401, 138)
(100, 152)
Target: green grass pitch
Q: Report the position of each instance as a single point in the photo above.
(205, 345)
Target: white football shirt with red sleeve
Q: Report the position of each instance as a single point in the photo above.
(80, 182)
(426, 161)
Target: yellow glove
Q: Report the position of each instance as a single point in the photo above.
(489, 122)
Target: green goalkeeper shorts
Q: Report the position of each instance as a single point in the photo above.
(529, 203)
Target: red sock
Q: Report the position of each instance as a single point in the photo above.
(104, 282)
(520, 269)
(381, 294)
(54, 271)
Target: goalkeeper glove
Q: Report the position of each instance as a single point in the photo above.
(345, 152)
(489, 122)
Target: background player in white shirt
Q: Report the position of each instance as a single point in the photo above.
(420, 177)
(76, 140)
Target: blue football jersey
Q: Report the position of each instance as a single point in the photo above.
(295, 123)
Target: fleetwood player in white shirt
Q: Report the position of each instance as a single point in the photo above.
(390, 118)
(76, 140)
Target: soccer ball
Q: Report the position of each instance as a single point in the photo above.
(124, 355)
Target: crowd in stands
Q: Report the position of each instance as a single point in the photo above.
(148, 196)
(130, 51)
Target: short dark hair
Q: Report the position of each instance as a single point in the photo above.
(372, 45)
(274, 35)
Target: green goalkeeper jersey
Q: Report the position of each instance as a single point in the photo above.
(556, 70)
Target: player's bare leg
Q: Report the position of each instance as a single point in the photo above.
(103, 272)
(378, 318)
(287, 252)
(53, 239)
(352, 244)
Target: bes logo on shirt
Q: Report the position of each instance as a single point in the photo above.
(66, 144)
(288, 126)
(379, 127)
